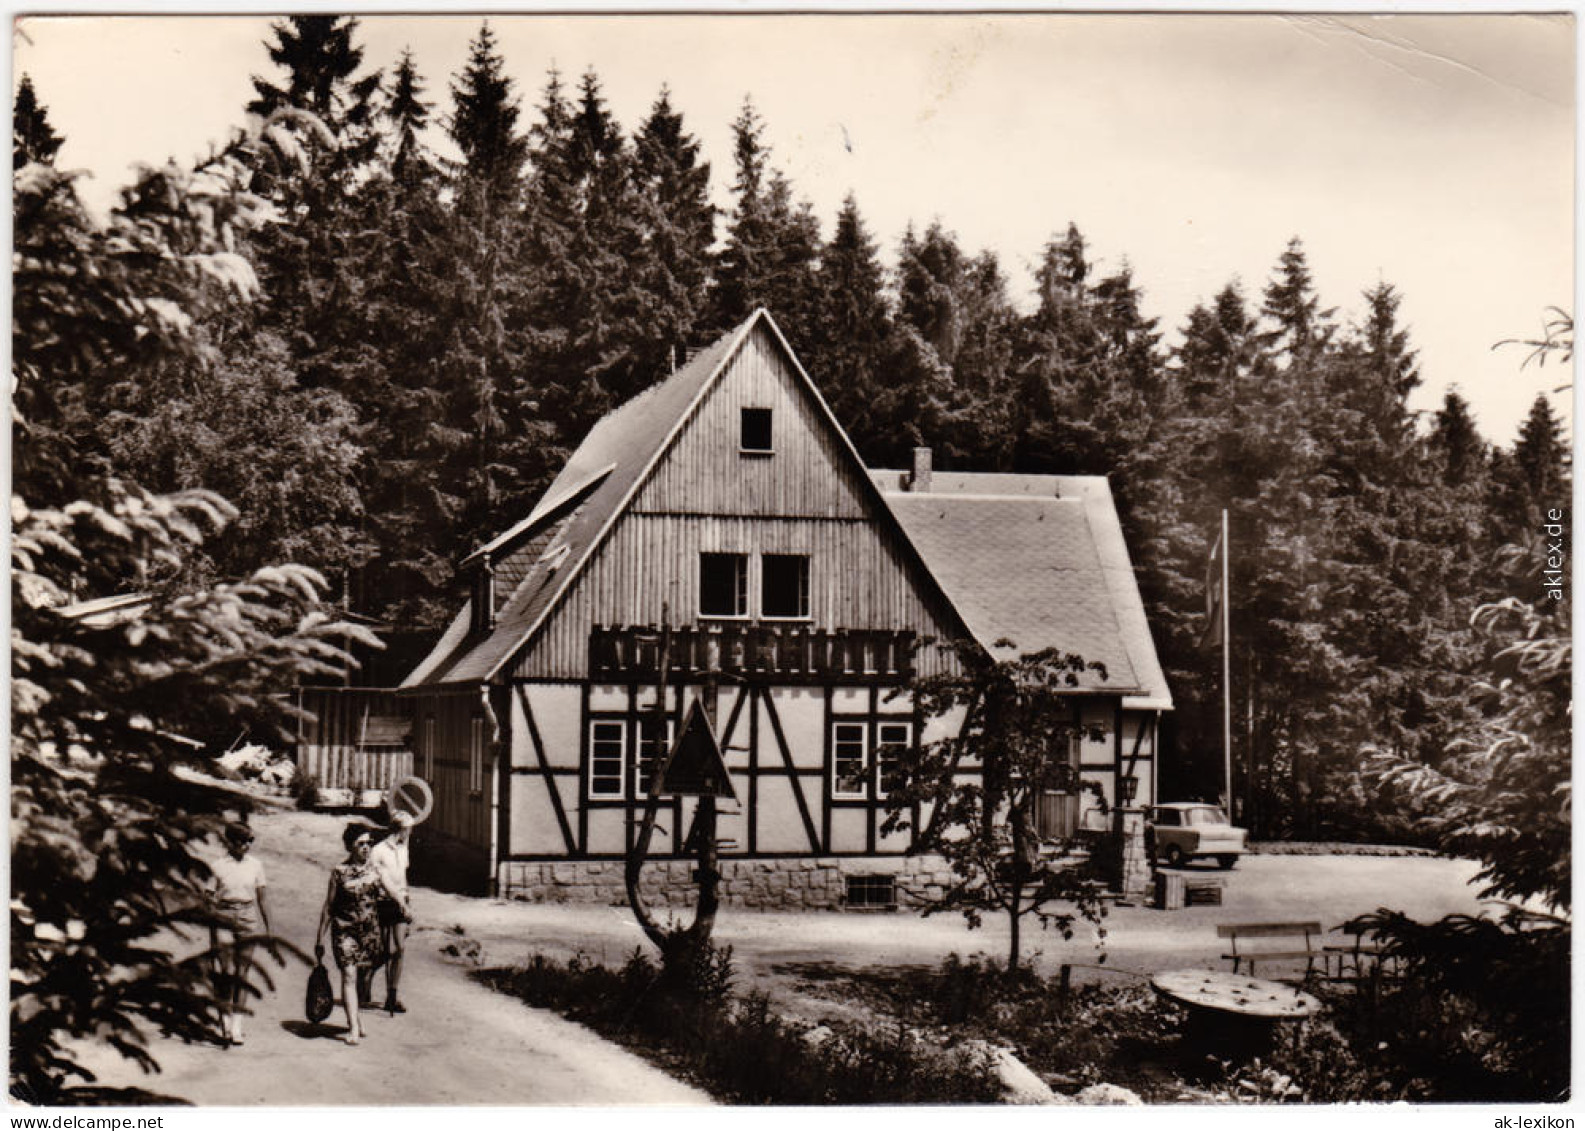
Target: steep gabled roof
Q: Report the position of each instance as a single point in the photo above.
(598, 483)
(1039, 560)
(601, 476)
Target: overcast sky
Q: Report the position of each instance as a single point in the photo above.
(1433, 152)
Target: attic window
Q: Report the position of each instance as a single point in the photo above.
(756, 433)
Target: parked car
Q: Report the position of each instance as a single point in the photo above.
(1181, 830)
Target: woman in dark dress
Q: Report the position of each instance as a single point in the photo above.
(352, 913)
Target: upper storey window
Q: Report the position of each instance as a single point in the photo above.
(784, 586)
(723, 585)
(754, 438)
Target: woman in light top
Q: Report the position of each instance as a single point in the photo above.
(238, 891)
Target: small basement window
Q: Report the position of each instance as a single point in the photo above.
(872, 893)
(755, 438)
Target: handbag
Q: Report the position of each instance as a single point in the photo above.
(320, 999)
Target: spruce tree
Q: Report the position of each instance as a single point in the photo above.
(1456, 442)
(485, 359)
(1301, 329)
(773, 242)
(405, 117)
(678, 220)
(408, 270)
(852, 334)
(33, 139)
(1541, 454)
(609, 355)
(1087, 369)
(483, 125)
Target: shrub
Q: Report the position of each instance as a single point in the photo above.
(1480, 1014)
(739, 1047)
(305, 789)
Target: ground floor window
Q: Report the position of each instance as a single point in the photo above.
(655, 736)
(892, 743)
(848, 759)
(626, 752)
(866, 756)
(607, 757)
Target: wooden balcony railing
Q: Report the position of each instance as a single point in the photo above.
(785, 653)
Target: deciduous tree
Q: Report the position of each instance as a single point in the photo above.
(978, 789)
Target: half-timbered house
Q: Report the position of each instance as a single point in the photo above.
(718, 538)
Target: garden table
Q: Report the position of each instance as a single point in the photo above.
(1232, 1015)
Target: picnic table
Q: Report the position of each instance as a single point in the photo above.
(1232, 1016)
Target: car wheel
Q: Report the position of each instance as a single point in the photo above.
(1227, 861)
(1174, 856)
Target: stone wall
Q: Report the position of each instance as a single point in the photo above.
(773, 883)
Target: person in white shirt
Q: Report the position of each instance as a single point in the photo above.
(389, 859)
(237, 889)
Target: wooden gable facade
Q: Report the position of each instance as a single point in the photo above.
(715, 539)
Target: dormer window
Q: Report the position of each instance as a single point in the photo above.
(755, 436)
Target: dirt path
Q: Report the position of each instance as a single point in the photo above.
(464, 1044)
(459, 1043)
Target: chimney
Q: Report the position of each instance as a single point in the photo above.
(919, 481)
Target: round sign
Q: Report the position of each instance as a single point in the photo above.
(411, 796)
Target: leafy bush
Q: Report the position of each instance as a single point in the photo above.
(1480, 1014)
(305, 788)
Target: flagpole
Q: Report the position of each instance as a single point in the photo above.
(1227, 690)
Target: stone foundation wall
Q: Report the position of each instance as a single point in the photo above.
(818, 883)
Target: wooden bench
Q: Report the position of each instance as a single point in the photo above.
(1363, 961)
(1285, 949)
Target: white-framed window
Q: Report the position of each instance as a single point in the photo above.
(655, 736)
(849, 749)
(892, 742)
(607, 758)
(723, 585)
(429, 748)
(784, 586)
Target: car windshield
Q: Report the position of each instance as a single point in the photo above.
(1207, 815)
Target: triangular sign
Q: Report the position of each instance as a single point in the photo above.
(695, 767)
